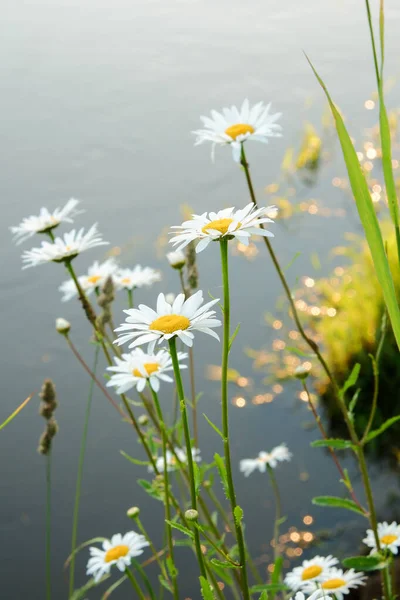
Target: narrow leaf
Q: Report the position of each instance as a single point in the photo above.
(351, 380)
(222, 472)
(181, 528)
(238, 514)
(276, 573)
(113, 587)
(337, 503)
(165, 583)
(363, 563)
(332, 443)
(135, 461)
(206, 591)
(224, 564)
(270, 587)
(16, 411)
(367, 215)
(233, 336)
(373, 434)
(214, 426)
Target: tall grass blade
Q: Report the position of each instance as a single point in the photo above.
(367, 214)
(16, 411)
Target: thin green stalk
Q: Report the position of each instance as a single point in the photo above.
(278, 511)
(225, 416)
(371, 30)
(79, 476)
(166, 489)
(193, 494)
(130, 298)
(151, 545)
(135, 584)
(48, 526)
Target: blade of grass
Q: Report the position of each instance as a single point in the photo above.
(16, 411)
(367, 214)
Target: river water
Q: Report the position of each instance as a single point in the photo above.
(98, 101)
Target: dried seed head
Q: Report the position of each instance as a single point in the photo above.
(49, 399)
(47, 436)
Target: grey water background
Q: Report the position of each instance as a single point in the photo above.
(98, 100)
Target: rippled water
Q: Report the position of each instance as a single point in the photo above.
(98, 101)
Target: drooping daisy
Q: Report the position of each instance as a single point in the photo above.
(45, 221)
(338, 582)
(176, 259)
(235, 127)
(118, 551)
(136, 278)
(310, 570)
(278, 454)
(147, 326)
(63, 249)
(389, 537)
(97, 275)
(172, 462)
(226, 223)
(137, 368)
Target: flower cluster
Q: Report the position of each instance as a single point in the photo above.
(278, 454)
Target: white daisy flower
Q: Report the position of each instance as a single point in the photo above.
(145, 325)
(235, 127)
(310, 570)
(137, 368)
(63, 249)
(226, 223)
(337, 582)
(136, 278)
(118, 551)
(389, 537)
(45, 221)
(172, 463)
(317, 595)
(97, 275)
(278, 454)
(176, 259)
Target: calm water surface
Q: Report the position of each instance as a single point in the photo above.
(98, 100)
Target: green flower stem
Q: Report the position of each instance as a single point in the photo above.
(166, 489)
(48, 526)
(215, 585)
(278, 511)
(193, 495)
(79, 476)
(130, 298)
(151, 546)
(225, 417)
(191, 372)
(135, 584)
(331, 450)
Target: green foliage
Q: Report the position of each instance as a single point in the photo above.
(373, 434)
(134, 461)
(233, 336)
(224, 564)
(337, 444)
(335, 502)
(269, 587)
(180, 528)
(206, 590)
(219, 461)
(351, 380)
(363, 563)
(214, 426)
(238, 514)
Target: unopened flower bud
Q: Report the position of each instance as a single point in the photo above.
(63, 326)
(133, 512)
(191, 515)
(143, 420)
(302, 372)
(207, 483)
(176, 259)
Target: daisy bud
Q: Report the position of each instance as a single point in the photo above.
(207, 483)
(176, 259)
(133, 512)
(191, 515)
(143, 420)
(63, 326)
(302, 372)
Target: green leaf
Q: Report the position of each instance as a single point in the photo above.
(214, 427)
(232, 338)
(351, 380)
(268, 587)
(299, 352)
(135, 461)
(375, 432)
(222, 473)
(198, 476)
(172, 570)
(363, 563)
(166, 584)
(353, 402)
(181, 528)
(238, 514)
(16, 411)
(206, 590)
(333, 443)
(276, 573)
(337, 503)
(148, 487)
(295, 257)
(113, 587)
(144, 577)
(264, 596)
(367, 215)
(80, 593)
(224, 564)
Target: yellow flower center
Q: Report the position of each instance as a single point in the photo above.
(311, 572)
(148, 367)
(239, 129)
(170, 323)
(333, 584)
(388, 539)
(221, 225)
(116, 553)
(126, 280)
(94, 279)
